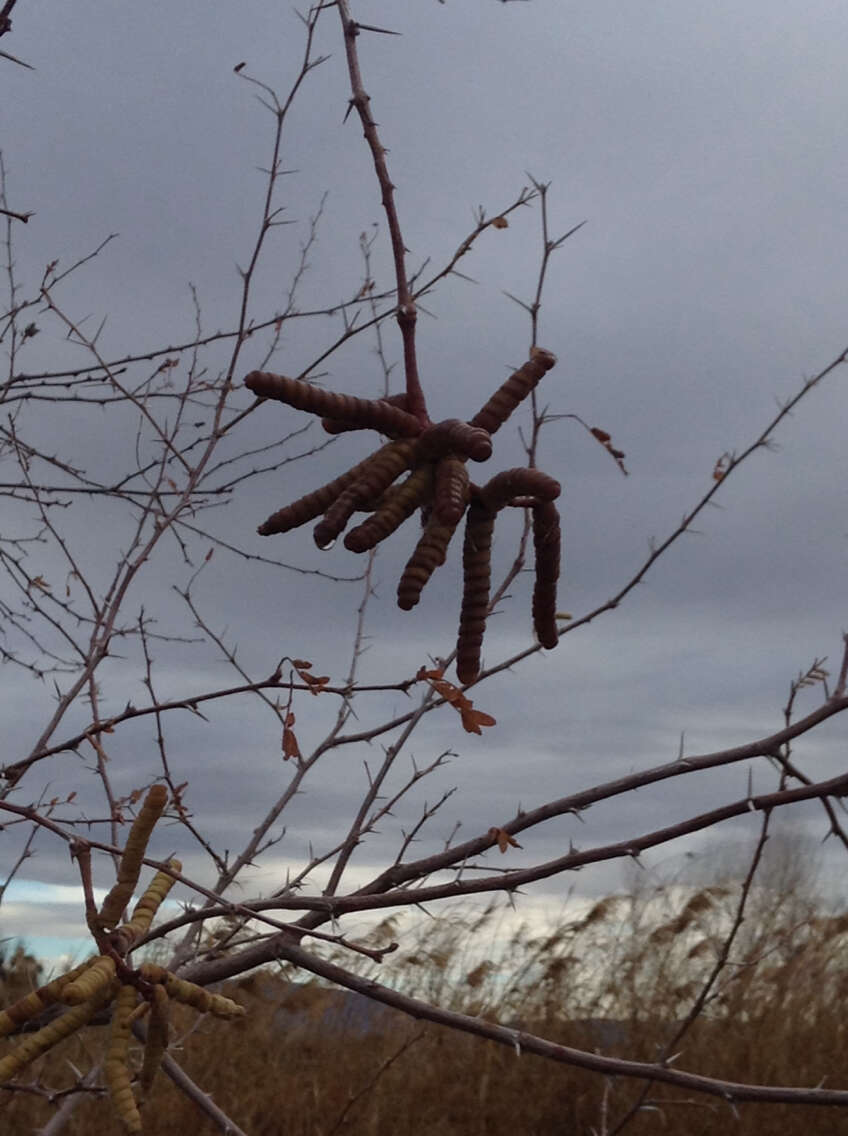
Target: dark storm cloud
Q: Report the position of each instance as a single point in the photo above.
(705, 146)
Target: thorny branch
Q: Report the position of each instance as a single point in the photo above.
(185, 434)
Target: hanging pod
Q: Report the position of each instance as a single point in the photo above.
(356, 413)
(512, 392)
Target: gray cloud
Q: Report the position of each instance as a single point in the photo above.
(704, 147)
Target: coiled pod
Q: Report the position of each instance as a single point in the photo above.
(130, 865)
(116, 1067)
(360, 413)
(516, 388)
(145, 909)
(341, 426)
(182, 991)
(156, 1042)
(546, 541)
(450, 495)
(430, 553)
(39, 1042)
(376, 475)
(32, 1004)
(463, 438)
(396, 505)
(97, 975)
(476, 568)
(520, 482)
(310, 506)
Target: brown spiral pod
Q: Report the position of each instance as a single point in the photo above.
(450, 495)
(452, 434)
(376, 475)
(516, 388)
(397, 504)
(366, 413)
(310, 506)
(520, 482)
(546, 540)
(341, 426)
(430, 553)
(476, 566)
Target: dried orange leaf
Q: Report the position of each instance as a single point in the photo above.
(503, 839)
(473, 719)
(290, 746)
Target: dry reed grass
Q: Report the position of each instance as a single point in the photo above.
(618, 979)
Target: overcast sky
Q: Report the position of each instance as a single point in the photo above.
(704, 146)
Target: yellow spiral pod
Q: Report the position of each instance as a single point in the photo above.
(157, 1038)
(116, 1066)
(516, 388)
(130, 865)
(201, 999)
(37, 1043)
(97, 974)
(145, 909)
(32, 1004)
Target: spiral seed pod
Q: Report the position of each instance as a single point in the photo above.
(476, 565)
(450, 495)
(116, 1066)
(339, 513)
(516, 388)
(156, 1043)
(201, 999)
(520, 482)
(96, 975)
(546, 540)
(396, 505)
(377, 475)
(341, 426)
(130, 865)
(192, 995)
(360, 413)
(144, 910)
(466, 439)
(38, 1000)
(44, 1039)
(310, 506)
(429, 554)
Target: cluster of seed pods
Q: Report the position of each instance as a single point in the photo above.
(107, 979)
(434, 459)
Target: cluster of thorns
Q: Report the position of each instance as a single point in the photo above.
(107, 978)
(434, 457)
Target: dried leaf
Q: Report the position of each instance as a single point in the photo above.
(500, 223)
(473, 719)
(290, 746)
(503, 839)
